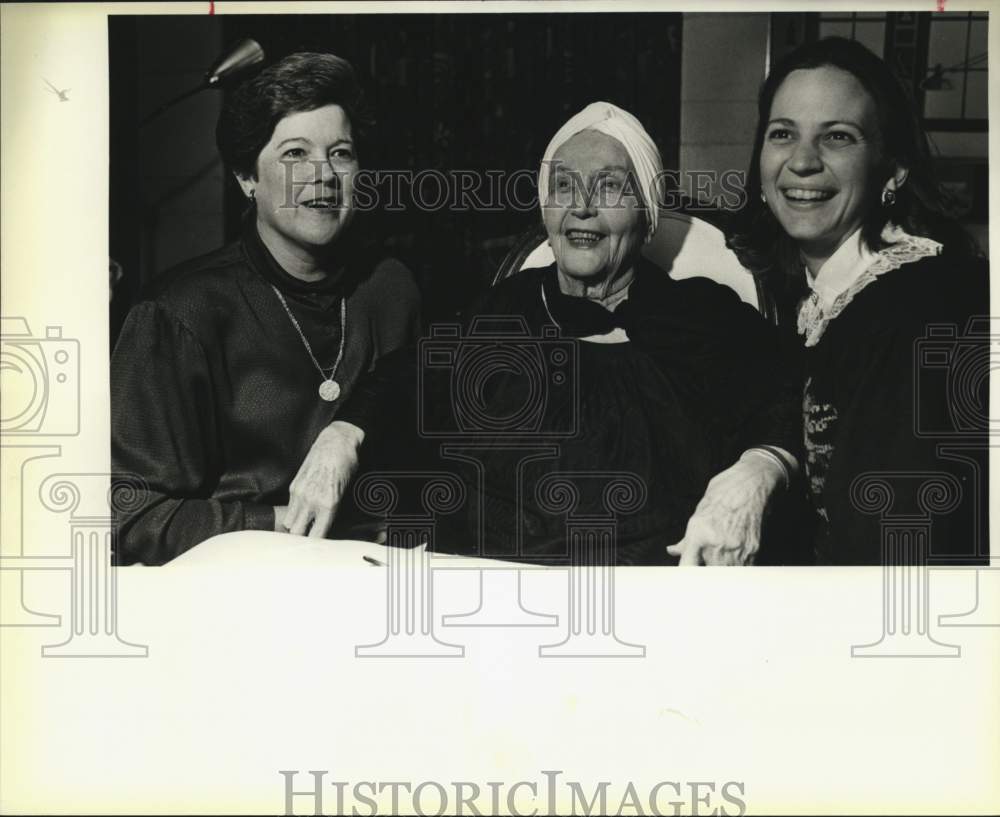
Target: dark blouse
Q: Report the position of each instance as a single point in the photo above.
(214, 399)
(699, 381)
(885, 398)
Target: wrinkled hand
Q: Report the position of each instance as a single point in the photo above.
(319, 485)
(725, 527)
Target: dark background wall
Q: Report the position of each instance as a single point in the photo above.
(485, 92)
(450, 92)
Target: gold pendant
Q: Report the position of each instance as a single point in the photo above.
(329, 390)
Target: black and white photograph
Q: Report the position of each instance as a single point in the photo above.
(248, 392)
(382, 367)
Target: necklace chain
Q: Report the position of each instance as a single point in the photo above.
(312, 357)
(545, 302)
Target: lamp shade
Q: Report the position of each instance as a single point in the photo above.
(237, 60)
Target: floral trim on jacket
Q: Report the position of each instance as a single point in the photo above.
(903, 249)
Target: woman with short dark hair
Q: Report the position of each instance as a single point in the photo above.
(303, 81)
(230, 378)
(850, 230)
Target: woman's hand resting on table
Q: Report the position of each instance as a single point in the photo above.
(725, 527)
(319, 485)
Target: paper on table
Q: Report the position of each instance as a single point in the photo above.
(268, 549)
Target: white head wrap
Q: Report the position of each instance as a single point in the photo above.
(621, 125)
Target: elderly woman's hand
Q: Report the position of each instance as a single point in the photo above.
(725, 527)
(318, 487)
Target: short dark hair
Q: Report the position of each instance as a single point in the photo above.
(300, 82)
(921, 206)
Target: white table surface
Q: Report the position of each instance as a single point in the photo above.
(252, 668)
(268, 549)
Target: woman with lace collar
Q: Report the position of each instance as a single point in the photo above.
(850, 231)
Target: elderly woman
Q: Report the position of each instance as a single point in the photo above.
(676, 382)
(230, 378)
(849, 229)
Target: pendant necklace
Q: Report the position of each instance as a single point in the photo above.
(329, 389)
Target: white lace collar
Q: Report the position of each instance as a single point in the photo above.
(850, 269)
(841, 269)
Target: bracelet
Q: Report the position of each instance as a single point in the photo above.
(775, 458)
(791, 464)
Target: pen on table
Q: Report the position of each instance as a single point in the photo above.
(373, 561)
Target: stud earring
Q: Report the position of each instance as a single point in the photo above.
(253, 196)
(888, 198)
(763, 198)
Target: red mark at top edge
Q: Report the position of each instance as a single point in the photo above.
(940, 5)
(211, 6)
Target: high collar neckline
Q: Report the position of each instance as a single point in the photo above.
(266, 265)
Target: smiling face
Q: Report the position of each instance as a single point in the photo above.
(820, 158)
(595, 225)
(304, 183)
